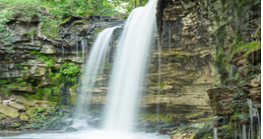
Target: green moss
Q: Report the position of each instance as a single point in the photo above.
(51, 29)
(98, 30)
(247, 47)
(70, 69)
(164, 117)
(79, 22)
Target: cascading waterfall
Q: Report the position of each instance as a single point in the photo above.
(251, 131)
(125, 84)
(96, 60)
(253, 112)
(215, 133)
(83, 45)
(129, 68)
(244, 132)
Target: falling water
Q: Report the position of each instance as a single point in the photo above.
(95, 61)
(169, 36)
(77, 46)
(83, 45)
(244, 133)
(159, 80)
(252, 113)
(215, 133)
(126, 81)
(129, 68)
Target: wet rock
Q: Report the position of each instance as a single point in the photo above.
(27, 89)
(9, 111)
(32, 112)
(222, 100)
(180, 119)
(71, 129)
(15, 124)
(23, 117)
(17, 106)
(48, 49)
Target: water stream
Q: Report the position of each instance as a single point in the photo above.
(94, 63)
(129, 68)
(130, 65)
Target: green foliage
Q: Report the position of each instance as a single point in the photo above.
(247, 47)
(49, 61)
(51, 29)
(51, 12)
(128, 5)
(65, 8)
(5, 16)
(70, 69)
(164, 117)
(34, 52)
(7, 85)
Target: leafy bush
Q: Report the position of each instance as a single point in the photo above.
(70, 69)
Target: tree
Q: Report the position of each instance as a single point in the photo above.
(129, 5)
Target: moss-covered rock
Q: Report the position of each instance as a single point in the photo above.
(23, 117)
(9, 111)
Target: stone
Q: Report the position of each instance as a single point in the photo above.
(48, 49)
(32, 112)
(17, 106)
(6, 102)
(9, 111)
(222, 100)
(15, 124)
(27, 89)
(71, 129)
(23, 116)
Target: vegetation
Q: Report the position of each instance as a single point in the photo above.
(247, 47)
(7, 85)
(128, 5)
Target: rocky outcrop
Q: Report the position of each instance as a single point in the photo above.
(32, 66)
(20, 114)
(187, 58)
(229, 30)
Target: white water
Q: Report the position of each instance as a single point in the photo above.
(129, 68)
(95, 61)
(253, 112)
(215, 133)
(89, 134)
(125, 84)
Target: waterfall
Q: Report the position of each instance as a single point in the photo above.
(215, 133)
(83, 45)
(159, 81)
(96, 60)
(128, 69)
(253, 112)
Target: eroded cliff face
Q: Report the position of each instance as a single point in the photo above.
(230, 31)
(187, 58)
(39, 74)
(195, 38)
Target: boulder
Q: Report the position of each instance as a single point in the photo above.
(222, 100)
(71, 129)
(23, 116)
(17, 106)
(9, 111)
(48, 49)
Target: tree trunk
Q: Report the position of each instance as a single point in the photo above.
(135, 4)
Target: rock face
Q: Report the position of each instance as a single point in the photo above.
(230, 32)
(192, 37)
(37, 67)
(187, 58)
